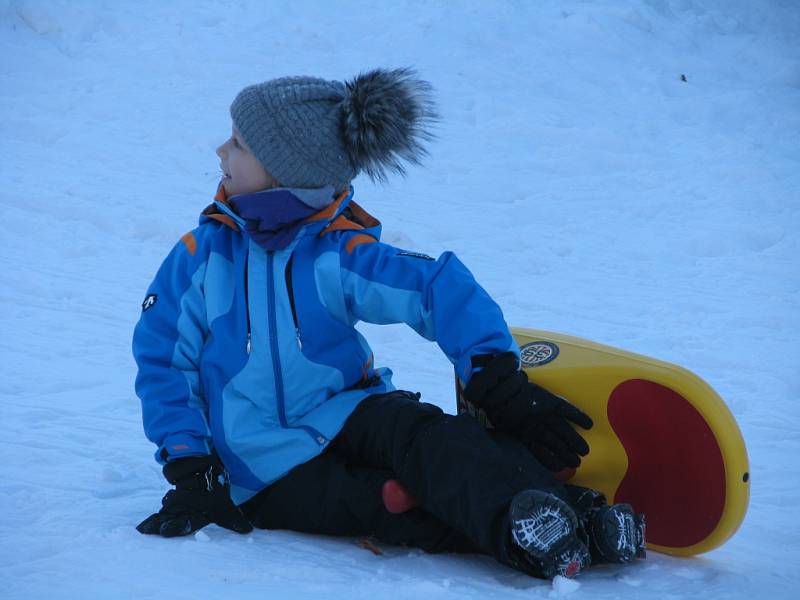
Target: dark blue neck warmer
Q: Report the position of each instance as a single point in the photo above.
(272, 217)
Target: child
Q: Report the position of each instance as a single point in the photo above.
(263, 398)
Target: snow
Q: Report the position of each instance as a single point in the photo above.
(589, 187)
(564, 587)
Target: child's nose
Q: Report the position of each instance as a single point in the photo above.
(221, 151)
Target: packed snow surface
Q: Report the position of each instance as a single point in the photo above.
(625, 171)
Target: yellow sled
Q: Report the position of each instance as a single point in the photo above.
(663, 440)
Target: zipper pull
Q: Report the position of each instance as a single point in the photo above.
(248, 343)
(297, 335)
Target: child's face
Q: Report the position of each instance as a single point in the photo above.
(243, 174)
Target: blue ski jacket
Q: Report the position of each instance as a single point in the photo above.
(253, 354)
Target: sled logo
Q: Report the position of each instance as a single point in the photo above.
(536, 354)
(149, 302)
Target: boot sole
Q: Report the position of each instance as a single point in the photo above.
(544, 527)
(618, 533)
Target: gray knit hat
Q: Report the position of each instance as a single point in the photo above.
(309, 133)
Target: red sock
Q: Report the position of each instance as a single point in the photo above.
(396, 498)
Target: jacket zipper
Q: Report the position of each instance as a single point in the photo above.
(290, 289)
(248, 346)
(276, 359)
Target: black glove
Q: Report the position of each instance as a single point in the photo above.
(201, 496)
(533, 415)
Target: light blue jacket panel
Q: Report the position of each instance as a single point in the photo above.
(254, 354)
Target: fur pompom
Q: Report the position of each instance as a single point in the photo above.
(386, 117)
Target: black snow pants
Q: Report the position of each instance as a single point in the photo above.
(463, 476)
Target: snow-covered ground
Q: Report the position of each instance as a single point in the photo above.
(589, 187)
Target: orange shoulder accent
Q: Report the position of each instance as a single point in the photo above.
(357, 240)
(190, 242)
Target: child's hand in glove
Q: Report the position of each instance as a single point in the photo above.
(201, 496)
(536, 417)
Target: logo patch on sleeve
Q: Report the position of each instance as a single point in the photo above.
(415, 255)
(149, 302)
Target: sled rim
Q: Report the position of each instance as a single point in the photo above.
(702, 398)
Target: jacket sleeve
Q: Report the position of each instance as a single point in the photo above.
(439, 299)
(167, 344)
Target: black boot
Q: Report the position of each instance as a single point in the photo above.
(614, 533)
(544, 533)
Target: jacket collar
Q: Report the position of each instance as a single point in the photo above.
(342, 214)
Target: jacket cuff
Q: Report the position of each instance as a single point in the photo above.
(471, 364)
(179, 445)
(474, 363)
